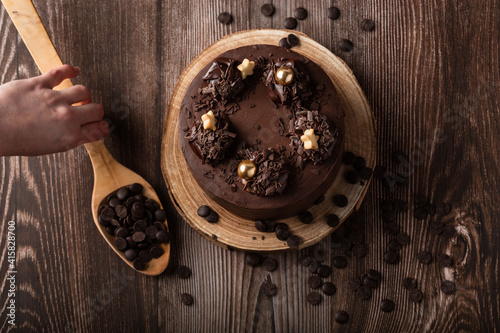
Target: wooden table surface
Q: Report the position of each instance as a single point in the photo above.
(431, 73)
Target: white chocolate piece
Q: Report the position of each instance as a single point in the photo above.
(310, 140)
(246, 68)
(209, 121)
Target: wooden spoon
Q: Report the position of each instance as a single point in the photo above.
(109, 175)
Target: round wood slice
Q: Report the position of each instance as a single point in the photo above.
(233, 231)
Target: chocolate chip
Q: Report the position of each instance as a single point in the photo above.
(187, 299)
(314, 282)
(313, 267)
(261, 226)
(225, 18)
(348, 158)
(144, 255)
(163, 236)
(282, 234)
(359, 162)
(409, 283)
(420, 213)
(121, 232)
(267, 9)
(269, 289)
(121, 211)
(293, 241)
(213, 217)
(359, 250)
(136, 188)
(437, 228)
(140, 225)
(391, 228)
(354, 283)
(328, 288)
(324, 271)
(270, 264)
(340, 200)
(352, 177)
(204, 211)
(183, 272)
(151, 232)
(444, 260)
(448, 287)
(333, 13)
(130, 242)
(284, 43)
(160, 215)
(345, 246)
(403, 238)
(123, 193)
(365, 173)
(306, 217)
(394, 245)
(391, 257)
(374, 274)
(332, 220)
(369, 282)
(120, 243)
(341, 317)
(293, 40)
(156, 251)
(319, 200)
(364, 293)
(443, 209)
(313, 298)
(130, 254)
(306, 261)
(290, 23)
(339, 262)
(367, 25)
(416, 295)
(449, 231)
(252, 259)
(424, 257)
(300, 13)
(387, 305)
(139, 264)
(137, 209)
(114, 202)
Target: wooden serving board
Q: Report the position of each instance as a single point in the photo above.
(233, 231)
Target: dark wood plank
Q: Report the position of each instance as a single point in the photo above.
(426, 66)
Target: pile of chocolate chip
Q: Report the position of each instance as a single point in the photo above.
(137, 222)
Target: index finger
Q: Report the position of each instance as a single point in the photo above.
(57, 75)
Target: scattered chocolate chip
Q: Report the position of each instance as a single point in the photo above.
(449, 231)
(290, 23)
(270, 264)
(225, 18)
(391, 257)
(314, 282)
(213, 217)
(267, 9)
(403, 238)
(313, 267)
(284, 43)
(204, 211)
(333, 13)
(293, 241)
(374, 274)
(183, 272)
(261, 226)
(348, 158)
(339, 262)
(293, 40)
(332, 220)
(387, 305)
(365, 173)
(269, 289)
(328, 288)
(354, 283)
(391, 228)
(359, 163)
(345, 245)
(448, 287)
(186, 299)
(306, 261)
(324, 271)
(252, 259)
(306, 217)
(416, 295)
(420, 213)
(300, 13)
(352, 177)
(369, 282)
(394, 245)
(367, 25)
(313, 298)
(424, 257)
(340, 200)
(437, 228)
(359, 250)
(364, 293)
(444, 260)
(282, 234)
(409, 283)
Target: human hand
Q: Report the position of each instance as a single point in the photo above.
(36, 120)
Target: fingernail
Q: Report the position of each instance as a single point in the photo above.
(76, 68)
(105, 124)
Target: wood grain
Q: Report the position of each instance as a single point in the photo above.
(430, 71)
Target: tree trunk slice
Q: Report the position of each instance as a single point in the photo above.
(233, 231)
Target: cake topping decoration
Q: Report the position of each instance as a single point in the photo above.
(246, 68)
(209, 121)
(247, 169)
(285, 75)
(310, 140)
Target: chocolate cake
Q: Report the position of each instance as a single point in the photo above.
(262, 131)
